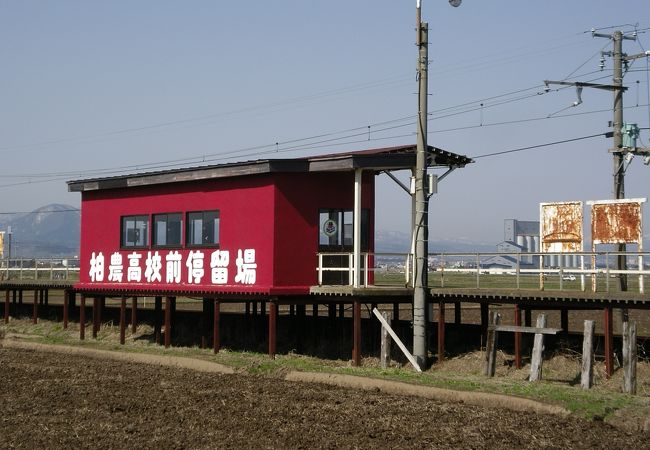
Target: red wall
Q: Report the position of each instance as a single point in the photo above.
(298, 200)
(275, 214)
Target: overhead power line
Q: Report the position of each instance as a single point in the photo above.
(533, 147)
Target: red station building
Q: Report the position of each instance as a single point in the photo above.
(239, 231)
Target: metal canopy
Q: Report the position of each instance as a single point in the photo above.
(377, 160)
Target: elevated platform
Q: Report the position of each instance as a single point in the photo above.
(565, 298)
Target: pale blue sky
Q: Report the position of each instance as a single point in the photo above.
(90, 85)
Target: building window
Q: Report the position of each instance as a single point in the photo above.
(202, 228)
(167, 230)
(337, 230)
(135, 231)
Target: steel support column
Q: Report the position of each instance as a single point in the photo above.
(35, 310)
(7, 306)
(517, 337)
(66, 308)
(564, 321)
(157, 318)
(485, 310)
(82, 317)
(441, 331)
(356, 333)
(608, 325)
(122, 320)
(216, 322)
(134, 315)
(273, 312)
(168, 321)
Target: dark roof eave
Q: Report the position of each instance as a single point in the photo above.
(394, 158)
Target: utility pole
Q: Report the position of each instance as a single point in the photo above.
(421, 201)
(421, 222)
(617, 149)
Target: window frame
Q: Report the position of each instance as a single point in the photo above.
(154, 233)
(341, 246)
(188, 228)
(123, 233)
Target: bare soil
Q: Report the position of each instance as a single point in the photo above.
(59, 400)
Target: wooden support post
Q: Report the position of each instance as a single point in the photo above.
(608, 325)
(35, 309)
(122, 320)
(395, 312)
(485, 310)
(216, 322)
(341, 310)
(254, 308)
(538, 351)
(157, 318)
(41, 298)
(587, 375)
(331, 311)
(134, 315)
(629, 358)
(356, 333)
(385, 343)
(20, 297)
(314, 310)
(292, 310)
(491, 347)
(66, 307)
(517, 337)
(262, 308)
(82, 317)
(273, 312)
(564, 321)
(168, 321)
(248, 309)
(7, 306)
(47, 296)
(457, 313)
(528, 319)
(441, 331)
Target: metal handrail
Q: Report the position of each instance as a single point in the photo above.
(38, 268)
(538, 264)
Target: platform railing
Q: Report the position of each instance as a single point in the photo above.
(39, 269)
(543, 271)
(399, 273)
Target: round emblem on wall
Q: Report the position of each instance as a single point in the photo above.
(330, 228)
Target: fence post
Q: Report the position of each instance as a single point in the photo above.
(385, 342)
(587, 376)
(491, 347)
(538, 350)
(629, 358)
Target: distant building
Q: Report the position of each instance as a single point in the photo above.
(518, 237)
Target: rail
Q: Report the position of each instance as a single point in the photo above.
(38, 269)
(543, 271)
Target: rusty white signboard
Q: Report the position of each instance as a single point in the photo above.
(560, 231)
(617, 222)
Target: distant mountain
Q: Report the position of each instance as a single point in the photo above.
(51, 230)
(399, 242)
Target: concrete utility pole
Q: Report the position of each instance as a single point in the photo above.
(421, 222)
(617, 149)
(421, 201)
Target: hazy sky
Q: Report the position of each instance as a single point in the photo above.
(95, 85)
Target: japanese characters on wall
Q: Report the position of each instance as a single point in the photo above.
(205, 267)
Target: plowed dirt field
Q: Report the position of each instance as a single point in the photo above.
(68, 401)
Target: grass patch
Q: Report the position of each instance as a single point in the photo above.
(593, 404)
